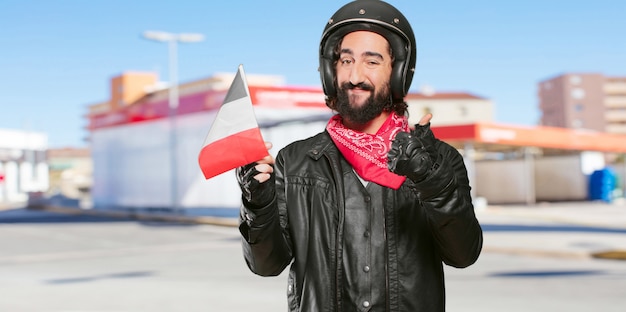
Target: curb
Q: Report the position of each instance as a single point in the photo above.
(610, 255)
(538, 253)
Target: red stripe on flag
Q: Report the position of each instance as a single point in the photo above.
(231, 152)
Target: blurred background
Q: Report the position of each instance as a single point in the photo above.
(108, 102)
(105, 105)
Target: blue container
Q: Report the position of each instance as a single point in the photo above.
(601, 185)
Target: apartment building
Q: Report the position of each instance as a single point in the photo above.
(590, 101)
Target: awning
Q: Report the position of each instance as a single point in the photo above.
(492, 136)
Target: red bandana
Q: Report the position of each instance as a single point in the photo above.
(367, 153)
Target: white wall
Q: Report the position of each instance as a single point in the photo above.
(501, 181)
(555, 178)
(560, 178)
(131, 166)
(132, 162)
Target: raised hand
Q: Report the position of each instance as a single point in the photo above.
(413, 154)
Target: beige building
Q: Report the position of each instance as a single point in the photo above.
(584, 101)
(449, 107)
(70, 172)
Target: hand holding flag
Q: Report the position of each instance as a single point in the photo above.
(234, 139)
(257, 181)
(264, 166)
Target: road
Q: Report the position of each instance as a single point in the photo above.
(52, 262)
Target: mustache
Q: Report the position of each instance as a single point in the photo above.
(361, 85)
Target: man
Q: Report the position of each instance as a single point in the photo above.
(367, 211)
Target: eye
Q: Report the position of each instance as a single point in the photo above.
(372, 63)
(346, 61)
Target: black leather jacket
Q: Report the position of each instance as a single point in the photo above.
(426, 224)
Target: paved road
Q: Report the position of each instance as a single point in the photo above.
(52, 262)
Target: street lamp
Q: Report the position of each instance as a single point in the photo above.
(172, 40)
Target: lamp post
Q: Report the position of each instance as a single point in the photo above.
(172, 40)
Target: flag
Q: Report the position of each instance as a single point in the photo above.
(234, 139)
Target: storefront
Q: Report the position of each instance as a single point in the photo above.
(23, 167)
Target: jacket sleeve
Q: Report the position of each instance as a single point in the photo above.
(445, 194)
(265, 236)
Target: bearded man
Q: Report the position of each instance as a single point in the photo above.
(367, 211)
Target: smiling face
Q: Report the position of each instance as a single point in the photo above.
(363, 72)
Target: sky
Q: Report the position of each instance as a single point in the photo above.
(57, 57)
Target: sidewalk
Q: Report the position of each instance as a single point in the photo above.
(592, 214)
(570, 229)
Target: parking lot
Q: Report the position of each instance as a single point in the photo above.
(61, 262)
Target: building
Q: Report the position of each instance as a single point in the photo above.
(145, 155)
(133, 134)
(510, 164)
(70, 172)
(23, 165)
(449, 108)
(584, 101)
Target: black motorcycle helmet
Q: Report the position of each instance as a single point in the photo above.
(379, 17)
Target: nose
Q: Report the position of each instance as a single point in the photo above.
(356, 74)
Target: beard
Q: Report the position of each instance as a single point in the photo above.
(375, 104)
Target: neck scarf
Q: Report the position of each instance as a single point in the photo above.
(367, 153)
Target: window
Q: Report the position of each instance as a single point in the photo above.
(579, 107)
(578, 93)
(463, 110)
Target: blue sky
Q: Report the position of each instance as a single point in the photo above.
(57, 56)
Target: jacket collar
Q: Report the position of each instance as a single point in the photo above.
(321, 144)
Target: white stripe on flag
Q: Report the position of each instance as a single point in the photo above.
(235, 138)
(232, 118)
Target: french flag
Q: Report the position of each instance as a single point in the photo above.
(235, 138)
